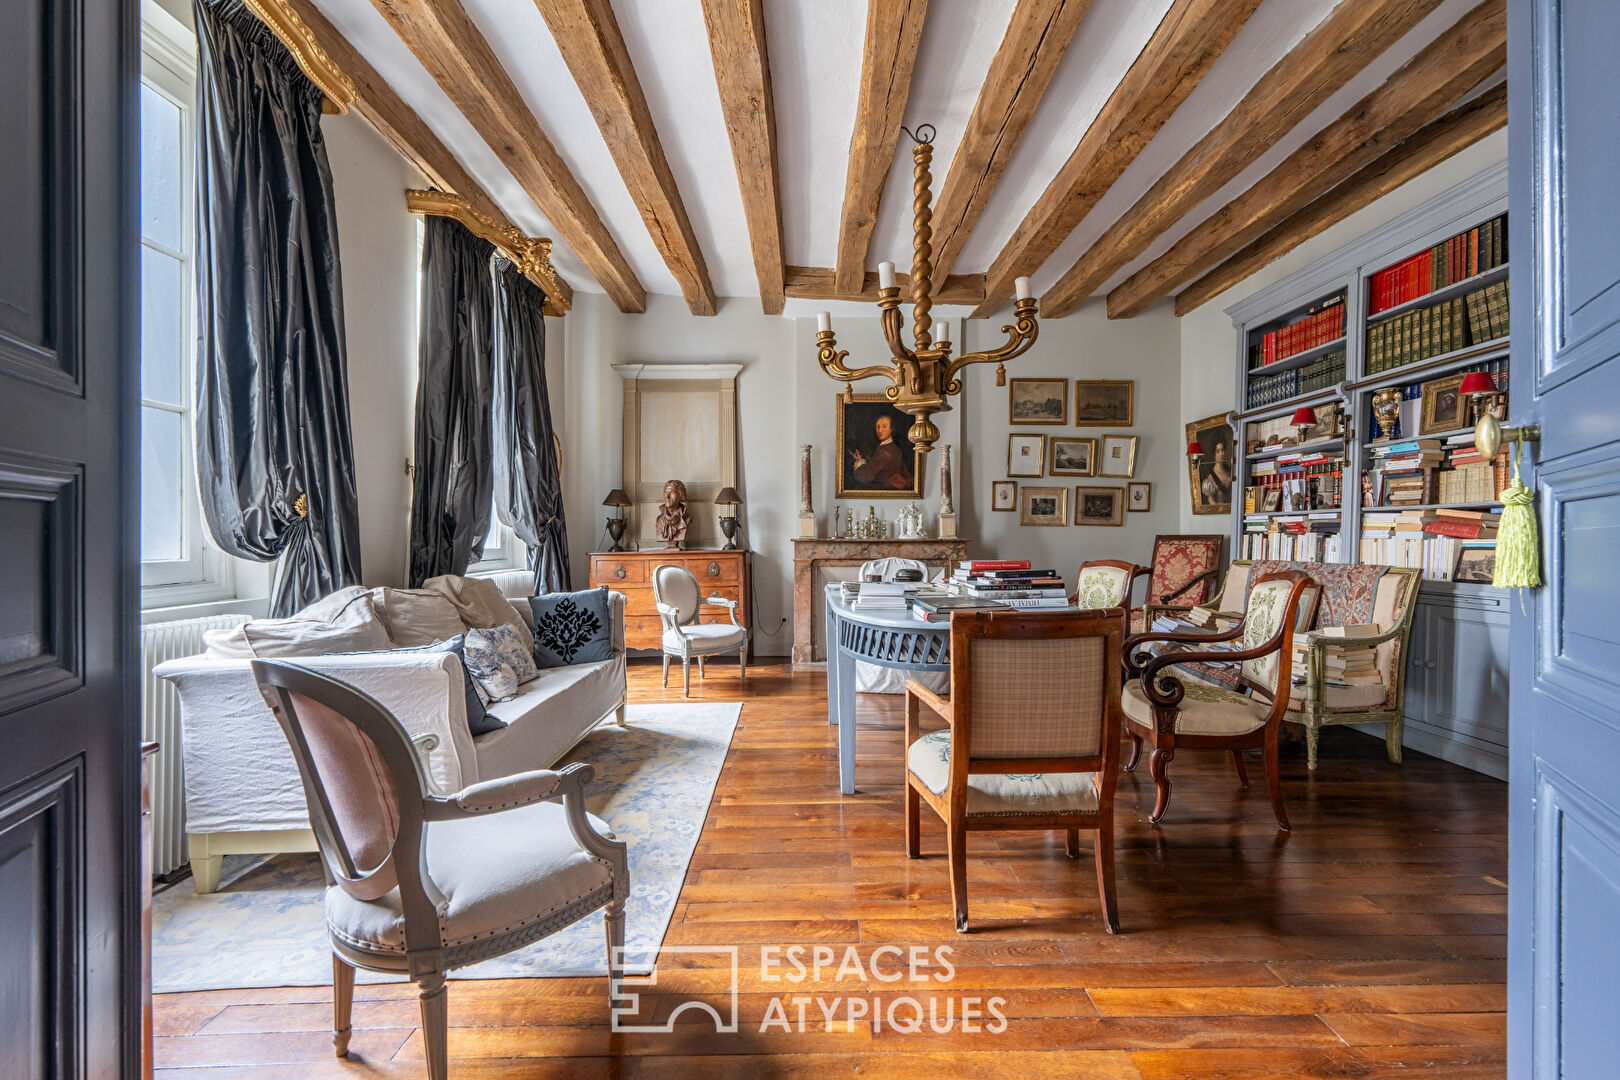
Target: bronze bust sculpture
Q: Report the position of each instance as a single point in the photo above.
(673, 517)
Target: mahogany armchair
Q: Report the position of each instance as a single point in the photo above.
(1032, 740)
(426, 881)
(1105, 583)
(1172, 714)
(1184, 570)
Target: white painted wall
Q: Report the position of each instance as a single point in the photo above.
(377, 243)
(784, 400)
(1208, 340)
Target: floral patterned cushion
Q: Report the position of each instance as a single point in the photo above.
(509, 647)
(494, 677)
(1205, 710)
(1100, 587)
(1267, 603)
(1178, 560)
(572, 628)
(1002, 794)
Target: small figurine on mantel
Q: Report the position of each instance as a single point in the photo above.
(673, 517)
(911, 523)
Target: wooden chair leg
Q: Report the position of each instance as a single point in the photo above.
(666, 671)
(342, 1002)
(1158, 765)
(701, 673)
(1071, 843)
(913, 811)
(686, 677)
(1136, 751)
(1242, 773)
(742, 664)
(435, 1023)
(613, 923)
(1104, 850)
(1274, 783)
(1313, 732)
(1393, 730)
(956, 840)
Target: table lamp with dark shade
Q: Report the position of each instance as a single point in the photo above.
(615, 524)
(728, 497)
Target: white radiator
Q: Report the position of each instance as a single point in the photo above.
(160, 720)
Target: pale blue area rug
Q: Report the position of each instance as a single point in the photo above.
(654, 779)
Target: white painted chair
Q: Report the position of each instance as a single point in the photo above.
(679, 601)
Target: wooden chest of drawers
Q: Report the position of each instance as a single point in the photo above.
(719, 573)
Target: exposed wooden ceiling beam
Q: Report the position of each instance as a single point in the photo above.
(743, 71)
(449, 45)
(1419, 93)
(1457, 130)
(893, 30)
(820, 283)
(1189, 39)
(593, 48)
(1341, 45)
(1036, 39)
(398, 123)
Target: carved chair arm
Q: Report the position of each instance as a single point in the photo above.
(424, 744)
(729, 605)
(493, 796)
(672, 618)
(1133, 665)
(1207, 575)
(940, 705)
(1173, 690)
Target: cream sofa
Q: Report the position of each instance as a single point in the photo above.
(243, 794)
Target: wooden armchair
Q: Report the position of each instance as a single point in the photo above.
(1172, 714)
(1032, 740)
(427, 881)
(1105, 583)
(1184, 571)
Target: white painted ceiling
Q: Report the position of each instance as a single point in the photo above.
(815, 57)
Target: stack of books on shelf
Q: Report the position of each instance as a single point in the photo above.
(1320, 324)
(1462, 524)
(1439, 328)
(1402, 474)
(1471, 477)
(1342, 667)
(1304, 538)
(1482, 248)
(1321, 373)
(1427, 539)
(1011, 582)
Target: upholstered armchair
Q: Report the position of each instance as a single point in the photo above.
(679, 602)
(1032, 737)
(1171, 714)
(1184, 571)
(425, 881)
(1105, 583)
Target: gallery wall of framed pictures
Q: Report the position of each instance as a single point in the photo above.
(1035, 456)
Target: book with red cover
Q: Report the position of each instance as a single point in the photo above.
(1467, 530)
(995, 564)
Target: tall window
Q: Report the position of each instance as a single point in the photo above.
(178, 565)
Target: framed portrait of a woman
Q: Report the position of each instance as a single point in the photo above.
(1212, 473)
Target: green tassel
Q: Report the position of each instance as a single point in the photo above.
(1518, 547)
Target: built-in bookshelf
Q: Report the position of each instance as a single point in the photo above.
(1376, 339)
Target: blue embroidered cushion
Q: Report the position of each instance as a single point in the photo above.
(572, 628)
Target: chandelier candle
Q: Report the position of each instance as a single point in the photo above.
(922, 378)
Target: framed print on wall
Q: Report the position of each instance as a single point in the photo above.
(1003, 495)
(876, 460)
(1043, 505)
(1212, 474)
(1026, 455)
(1118, 457)
(1099, 506)
(1038, 401)
(1071, 456)
(1139, 496)
(1104, 402)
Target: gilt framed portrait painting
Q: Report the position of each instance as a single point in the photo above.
(875, 458)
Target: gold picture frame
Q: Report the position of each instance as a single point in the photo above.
(1003, 492)
(1212, 475)
(1038, 401)
(865, 469)
(1071, 460)
(1043, 505)
(1024, 453)
(1104, 402)
(1138, 492)
(1444, 407)
(1116, 456)
(1099, 505)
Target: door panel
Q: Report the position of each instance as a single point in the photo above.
(69, 819)
(1564, 749)
(1469, 686)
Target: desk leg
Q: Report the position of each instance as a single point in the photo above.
(846, 721)
(830, 624)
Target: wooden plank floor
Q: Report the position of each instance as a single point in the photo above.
(1369, 942)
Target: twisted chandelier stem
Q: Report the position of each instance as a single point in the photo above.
(921, 269)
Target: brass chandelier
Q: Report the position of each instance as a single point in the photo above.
(922, 378)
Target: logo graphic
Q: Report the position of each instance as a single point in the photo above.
(625, 1006)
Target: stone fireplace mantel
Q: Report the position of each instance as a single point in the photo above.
(812, 552)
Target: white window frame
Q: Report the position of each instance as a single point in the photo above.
(204, 574)
(502, 548)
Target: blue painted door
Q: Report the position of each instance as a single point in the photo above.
(1564, 833)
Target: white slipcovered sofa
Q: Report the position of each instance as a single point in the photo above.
(243, 794)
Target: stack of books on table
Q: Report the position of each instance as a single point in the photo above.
(883, 595)
(937, 607)
(1344, 667)
(1011, 582)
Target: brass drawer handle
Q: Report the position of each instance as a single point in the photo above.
(714, 569)
(618, 571)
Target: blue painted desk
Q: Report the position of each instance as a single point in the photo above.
(891, 639)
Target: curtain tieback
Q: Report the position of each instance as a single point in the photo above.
(301, 505)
